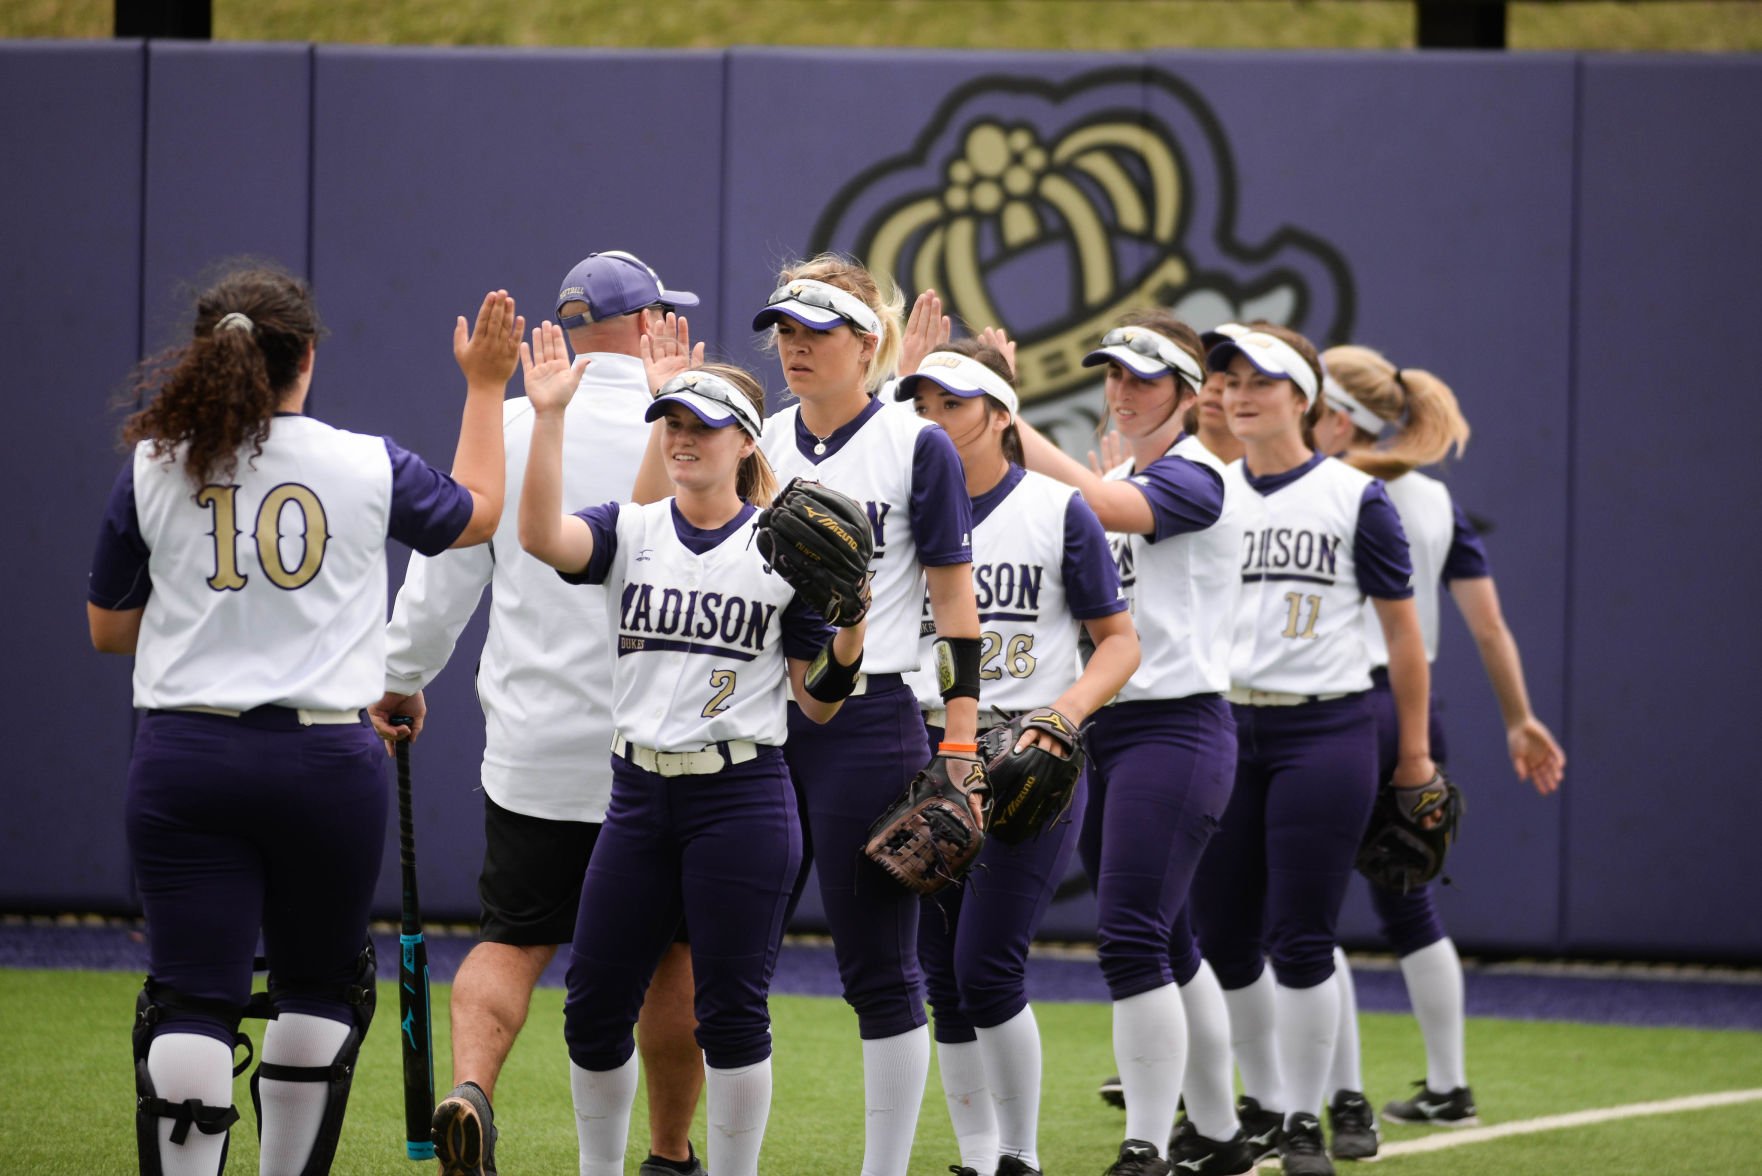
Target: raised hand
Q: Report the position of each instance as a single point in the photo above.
(550, 378)
(1113, 453)
(926, 329)
(488, 352)
(998, 338)
(668, 351)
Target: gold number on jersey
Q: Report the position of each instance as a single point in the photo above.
(1294, 602)
(1015, 653)
(722, 682)
(223, 501)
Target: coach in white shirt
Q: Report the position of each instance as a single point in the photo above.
(547, 713)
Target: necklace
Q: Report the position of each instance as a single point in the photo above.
(819, 442)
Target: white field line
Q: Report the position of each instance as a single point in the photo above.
(1670, 1106)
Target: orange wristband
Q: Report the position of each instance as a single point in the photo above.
(956, 748)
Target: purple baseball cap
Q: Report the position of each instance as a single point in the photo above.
(614, 283)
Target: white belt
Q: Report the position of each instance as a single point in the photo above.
(705, 762)
(937, 718)
(1244, 697)
(308, 718)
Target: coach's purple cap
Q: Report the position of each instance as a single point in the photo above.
(614, 283)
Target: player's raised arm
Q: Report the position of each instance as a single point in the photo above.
(563, 541)
(486, 353)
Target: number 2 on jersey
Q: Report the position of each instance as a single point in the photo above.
(722, 681)
(1294, 604)
(223, 501)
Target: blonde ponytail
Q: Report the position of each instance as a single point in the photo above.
(1432, 426)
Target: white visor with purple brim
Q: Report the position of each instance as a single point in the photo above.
(1349, 404)
(958, 375)
(1147, 354)
(711, 399)
(819, 305)
(1271, 356)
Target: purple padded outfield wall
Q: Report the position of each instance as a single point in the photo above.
(1529, 228)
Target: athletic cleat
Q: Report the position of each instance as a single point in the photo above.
(464, 1133)
(959, 1170)
(1138, 1158)
(1192, 1152)
(1013, 1166)
(1112, 1092)
(1262, 1129)
(1352, 1126)
(1428, 1107)
(656, 1166)
(1301, 1153)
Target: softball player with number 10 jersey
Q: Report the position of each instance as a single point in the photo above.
(242, 561)
(707, 646)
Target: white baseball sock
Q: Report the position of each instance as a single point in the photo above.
(1150, 1048)
(1253, 1042)
(962, 1064)
(1346, 1073)
(739, 1105)
(294, 1111)
(1307, 1019)
(895, 1070)
(1012, 1062)
(603, 1099)
(1207, 1084)
(185, 1066)
(1434, 986)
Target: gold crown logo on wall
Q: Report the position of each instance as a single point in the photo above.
(1050, 209)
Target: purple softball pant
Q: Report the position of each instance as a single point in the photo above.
(1160, 773)
(722, 850)
(1273, 880)
(846, 772)
(973, 938)
(237, 825)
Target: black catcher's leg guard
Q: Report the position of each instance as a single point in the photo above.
(361, 995)
(151, 1006)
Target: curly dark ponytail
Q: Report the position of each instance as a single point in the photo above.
(218, 392)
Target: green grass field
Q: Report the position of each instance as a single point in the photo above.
(64, 1048)
(1727, 26)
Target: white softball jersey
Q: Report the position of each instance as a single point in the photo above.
(908, 476)
(1445, 547)
(1318, 539)
(698, 626)
(1041, 566)
(542, 679)
(270, 589)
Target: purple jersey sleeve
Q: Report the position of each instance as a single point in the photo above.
(602, 520)
(1467, 559)
(1092, 582)
(1385, 565)
(805, 631)
(119, 578)
(429, 509)
(941, 512)
(1184, 496)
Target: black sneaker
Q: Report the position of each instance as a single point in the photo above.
(1112, 1093)
(1013, 1166)
(1455, 1109)
(659, 1166)
(1263, 1129)
(1190, 1151)
(960, 1170)
(1301, 1153)
(464, 1133)
(1138, 1158)
(1352, 1126)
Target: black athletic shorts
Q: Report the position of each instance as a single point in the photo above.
(530, 887)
